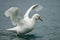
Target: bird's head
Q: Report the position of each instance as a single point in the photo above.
(37, 17)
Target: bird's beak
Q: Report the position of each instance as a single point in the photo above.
(40, 19)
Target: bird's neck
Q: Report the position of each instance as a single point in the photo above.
(33, 21)
(33, 18)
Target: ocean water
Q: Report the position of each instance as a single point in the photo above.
(49, 29)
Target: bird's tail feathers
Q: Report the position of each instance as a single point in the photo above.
(11, 29)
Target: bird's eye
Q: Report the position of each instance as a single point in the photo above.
(37, 16)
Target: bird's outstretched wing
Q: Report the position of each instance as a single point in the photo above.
(13, 14)
(35, 7)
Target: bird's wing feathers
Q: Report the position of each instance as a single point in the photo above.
(13, 14)
(35, 7)
(14, 11)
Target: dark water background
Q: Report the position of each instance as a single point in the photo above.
(49, 29)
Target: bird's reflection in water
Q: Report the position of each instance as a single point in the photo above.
(27, 37)
(12, 36)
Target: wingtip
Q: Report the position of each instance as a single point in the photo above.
(37, 7)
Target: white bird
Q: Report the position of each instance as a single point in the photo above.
(25, 25)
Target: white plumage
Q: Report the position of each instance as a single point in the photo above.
(26, 24)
